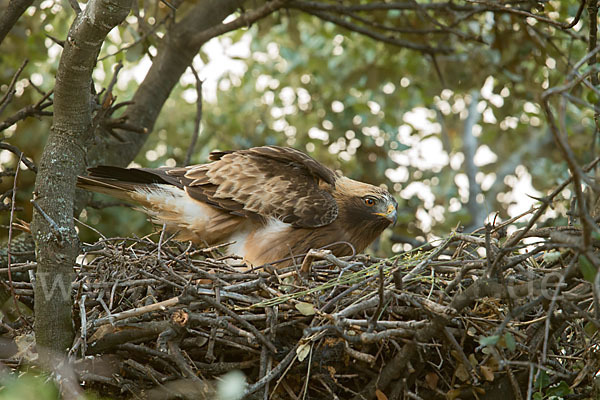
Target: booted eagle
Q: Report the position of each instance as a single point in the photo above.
(273, 202)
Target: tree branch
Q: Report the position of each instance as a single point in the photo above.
(11, 15)
(300, 5)
(175, 54)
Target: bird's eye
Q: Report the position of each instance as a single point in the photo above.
(369, 202)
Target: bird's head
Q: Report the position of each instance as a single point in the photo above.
(382, 205)
(364, 203)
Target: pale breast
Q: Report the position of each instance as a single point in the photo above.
(259, 244)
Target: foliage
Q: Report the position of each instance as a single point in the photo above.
(27, 386)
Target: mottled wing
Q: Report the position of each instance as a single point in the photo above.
(270, 181)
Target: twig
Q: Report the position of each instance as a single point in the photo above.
(160, 306)
(197, 121)
(53, 225)
(83, 317)
(587, 222)
(246, 19)
(259, 336)
(15, 150)
(375, 317)
(369, 33)
(29, 111)
(75, 5)
(140, 39)
(10, 91)
(275, 372)
(499, 7)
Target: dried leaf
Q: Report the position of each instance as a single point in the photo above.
(302, 351)
(473, 360)
(487, 373)
(453, 394)
(462, 373)
(432, 380)
(306, 308)
(332, 371)
(26, 345)
(380, 395)
(180, 317)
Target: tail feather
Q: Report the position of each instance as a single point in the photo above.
(165, 200)
(120, 190)
(131, 175)
(124, 182)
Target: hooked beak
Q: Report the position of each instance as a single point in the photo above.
(391, 214)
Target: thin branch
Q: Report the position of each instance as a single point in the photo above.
(470, 147)
(381, 6)
(592, 43)
(499, 7)
(10, 92)
(140, 39)
(246, 19)
(11, 14)
(369, 33)
(15, 150)
(197, 121)
(29, 111)
(588, 223)
(75, 6)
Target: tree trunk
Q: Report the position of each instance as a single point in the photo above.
(52, 226)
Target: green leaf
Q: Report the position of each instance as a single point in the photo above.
(542, 380)
(590, 328)
(509, 339)
(560, 390)
(587, 269)
(489, 340)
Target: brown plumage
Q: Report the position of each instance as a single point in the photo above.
(273, 202)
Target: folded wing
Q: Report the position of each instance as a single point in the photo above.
(257, 184)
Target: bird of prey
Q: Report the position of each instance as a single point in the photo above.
(274, 203)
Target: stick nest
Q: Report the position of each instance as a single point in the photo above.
(162, 320)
